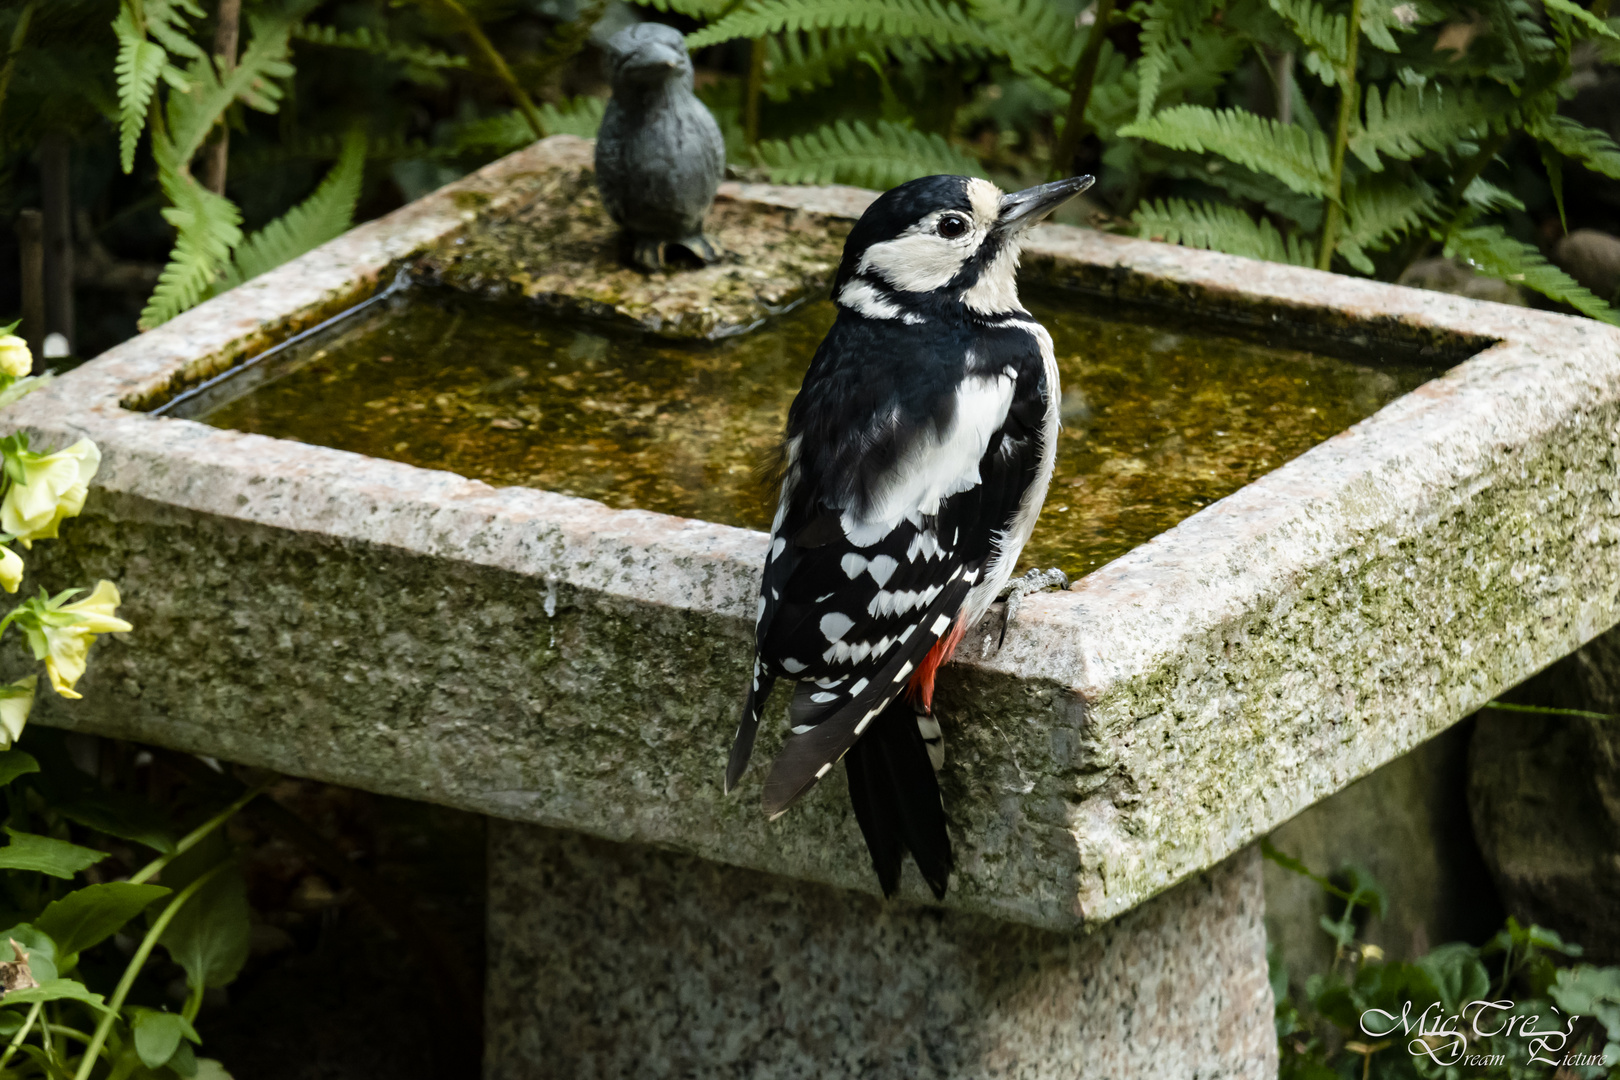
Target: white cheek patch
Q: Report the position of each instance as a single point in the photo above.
(918, 261)
(864, 299)
(996, 291)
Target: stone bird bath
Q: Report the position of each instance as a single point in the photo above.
(573, 671)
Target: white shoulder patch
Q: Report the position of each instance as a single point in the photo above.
(863, 298)
(938, 464)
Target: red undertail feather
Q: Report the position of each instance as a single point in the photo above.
(921, 687)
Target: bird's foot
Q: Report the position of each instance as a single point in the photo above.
(647, 253)
(1016, 590)
(703, 247)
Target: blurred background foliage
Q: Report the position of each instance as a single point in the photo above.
(182, 146)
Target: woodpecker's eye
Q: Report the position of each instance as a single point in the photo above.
(952, 225)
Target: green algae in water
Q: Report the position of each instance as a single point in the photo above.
(1159, 420)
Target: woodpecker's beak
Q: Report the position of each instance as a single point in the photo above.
(1021, 209)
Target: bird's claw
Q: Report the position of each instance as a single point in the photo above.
(1017, 589)
(652, 254)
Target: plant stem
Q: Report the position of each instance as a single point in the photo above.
(475, 34)
(22, 1033)
(756, 82)
(136, 962)
(1349, 109)
(1085, 75)
(195, 836)
(226, 32)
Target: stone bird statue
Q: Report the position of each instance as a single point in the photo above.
(659, 154)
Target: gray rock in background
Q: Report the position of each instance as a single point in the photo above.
(1451, 276)
(1408, 825)
(1545, 796)
(1591, 258)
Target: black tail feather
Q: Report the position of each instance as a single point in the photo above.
(896, 799)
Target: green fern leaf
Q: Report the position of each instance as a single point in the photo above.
(326, 214)
(139, 64)
(813, 59)
(377, 43)
(1413, 119)
(1494, 253)
(1326, 36)
(1381, 208)
(1487, 198)
(192, 115)
(1218, 227)
(1594, 25)
(1165, 22)
(1589, 146)
(928, 19)
(208, 226)
(852, 153)
(696, 9)
(1293, 155)
(1039, 36)
(580, 116)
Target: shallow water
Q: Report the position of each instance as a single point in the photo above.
(1160, 419)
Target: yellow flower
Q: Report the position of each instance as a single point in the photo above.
(68, 647)
(53, 490)
(18, 699)
(11, 569)
(15, 359)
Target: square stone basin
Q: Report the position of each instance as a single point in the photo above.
(548, 658)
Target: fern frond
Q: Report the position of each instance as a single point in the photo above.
(1326, 36)
(326, 214)
(1293, 155)
(508, 131)
(928, 19)
(252, 81)
(1589, 146)
(377, 43)
(1218, 227)
(1595, 27)
(1412, 119)
(1165, 22)
(1495, 254)
(166, 21)
(137, 68)
(813, 59)
(1487, 198)
(852, 153)
(1379, 209)
(580, 116)
(1039, 37)
(208, 226)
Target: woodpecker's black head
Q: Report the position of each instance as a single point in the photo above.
(942, 242)
(645, 57)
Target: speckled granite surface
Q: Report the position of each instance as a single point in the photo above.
(616, 960)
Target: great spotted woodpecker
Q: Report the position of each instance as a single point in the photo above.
(916, 458)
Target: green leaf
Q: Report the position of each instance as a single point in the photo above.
(1039, 37)
(1457, 974)
(208, 228)
(1164, 24)
(158, 1034)
(1589, 146)
(253, 81)
(1409, 120)
(1594, 25)
(852, 153)
(1218, 227)
(88, 916)
(1494, 253)
(377, 43)
(56, 990)
(1326, 36)
(44, 855)
(1293, 155)
(323, 216)
(1381, 208)
(580, 116)
(43, 956)
(15, 763)
(139, 64)
(898, 18)
(209, 935)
